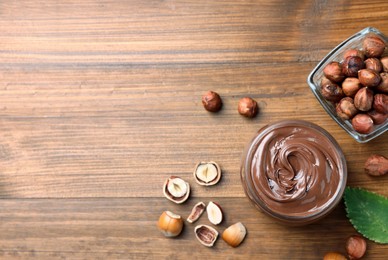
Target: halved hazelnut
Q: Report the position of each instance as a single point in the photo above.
(170, 224)
(234, 234)
(207, 173)
(206, 235)
(214, 213)
(176, 189)
(196, 212)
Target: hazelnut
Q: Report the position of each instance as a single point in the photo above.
(373, 46)
(384, 62)
(176, 190)
(206, 235)
(369, 78)
(334, 256)
(211, 101)
(207, 173)
(374, 64)
(214, 213)
(346, 108)
(378, 118)
(196, 212)
(363, 99)
(170, 224)
(352, 65)
(362, 123)
(380, 103)
(234, 234)
(332, 92)
(354, 52)
(355, 247)
(350, 86)
(248, 107)
(383, 86)
(376, 165)
(333, 71)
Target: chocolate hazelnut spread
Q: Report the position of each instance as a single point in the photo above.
(294, 170)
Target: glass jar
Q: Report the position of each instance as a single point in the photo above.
(294, 171)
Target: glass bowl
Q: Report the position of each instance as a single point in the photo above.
(294, 171)
(314, 79)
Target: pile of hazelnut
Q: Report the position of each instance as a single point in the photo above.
(177, 190)
(358, 85)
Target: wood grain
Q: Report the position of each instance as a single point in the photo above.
(100, 103)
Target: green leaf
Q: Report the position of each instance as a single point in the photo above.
(368, 212)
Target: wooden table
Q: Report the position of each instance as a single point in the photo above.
(101, 102)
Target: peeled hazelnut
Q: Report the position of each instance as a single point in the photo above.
(248, 107)
(334, 256)
(383, 86)
(380, 103)
(374, 64)
(352, 65)
(362, 123)
(176, 189)
(378, 118)
(384, 62)
(331, 92)
(234, 234)
(354, 52)
(346, 109)
(207, 173)
(211, 101)
(350, 86)
(376, 165)
(355, 247)
(363, 99)
(214, 213)
(373, 46)
(206, 235)
(333, 71)
(196, 212)
(369, 78)
(170, 224)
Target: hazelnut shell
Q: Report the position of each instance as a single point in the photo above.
(206, 235)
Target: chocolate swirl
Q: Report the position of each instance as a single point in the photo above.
(296, 169)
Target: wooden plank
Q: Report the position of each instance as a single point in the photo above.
(126, 228)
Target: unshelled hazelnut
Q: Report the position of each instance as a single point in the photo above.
(351, 65)
(346, 109)
(369, 78)
(384, 62)
(207, 173)
(354, 52)
(380, 103)
(376, 165)
(374, 64)
(362, 123)
(206, 235)
(234, 234)
(378, 118)
(363, 99)
(332, 92)
(248, 107)
(170, 224)
(373, 46)
(350, 86)
(176, 189)
(334, 256)
(214, 213)
(333, 71)
(196, 212)
(383, 86)
(211, 101)
(355, 247)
